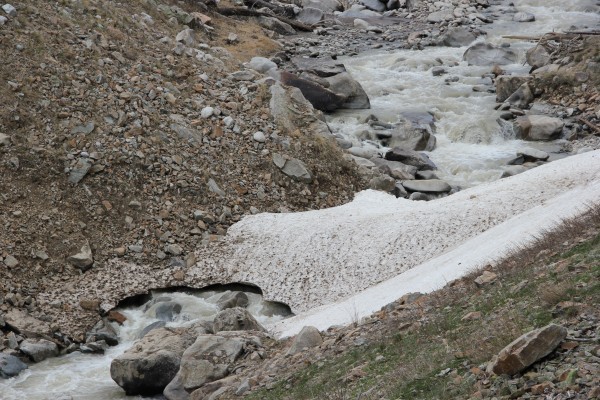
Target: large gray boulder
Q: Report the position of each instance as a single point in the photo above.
(38, 349)
(308, 337)
(348, 88)
(10, 366)
(485, 54)
(209, 359)
(320, 97)
(236, 319)
(538, 127)
(411, 135)
(528, 349)
(148, 367)
(457, 37)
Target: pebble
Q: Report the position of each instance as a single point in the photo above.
(10, 10)
(259, 137)
(207, 112)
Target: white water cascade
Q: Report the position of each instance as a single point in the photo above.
(78, 376)
(471, 146)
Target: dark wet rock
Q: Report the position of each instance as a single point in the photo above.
(410, 157)
(321, 98)
(167, 311)
(148, 367)
(103, 330)
(232, 300)
(10, 366)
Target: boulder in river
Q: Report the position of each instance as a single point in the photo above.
(103, 330)
(38, 349)
(10, 366)
(485, 54)
(506, 85)
(148, 367)
(538, 57)
(523, 16)
(167, 311)
(348, 88)
(538, 127)
(236, 319)
(232, 299)
(410, 157)
(457, 37)
(397, 169)
(522, 97)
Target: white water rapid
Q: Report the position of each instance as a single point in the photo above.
(471, 147)
(78, 376)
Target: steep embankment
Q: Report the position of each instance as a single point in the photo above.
(123, 130)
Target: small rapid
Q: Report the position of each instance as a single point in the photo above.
(472, 146)
(79, 376)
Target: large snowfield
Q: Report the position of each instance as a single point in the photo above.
(335, 265)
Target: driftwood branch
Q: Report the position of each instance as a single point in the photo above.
(594, 127)
(245, 12)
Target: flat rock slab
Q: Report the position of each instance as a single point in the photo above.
(427, 186)
(528, 349)
(319, 66)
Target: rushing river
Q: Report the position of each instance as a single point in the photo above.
(471, 148)
(80, 376)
